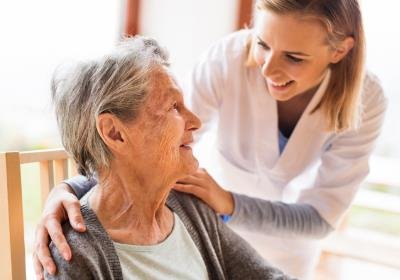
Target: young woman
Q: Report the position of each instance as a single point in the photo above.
(297, 120)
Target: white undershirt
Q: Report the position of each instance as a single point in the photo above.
(177, 257)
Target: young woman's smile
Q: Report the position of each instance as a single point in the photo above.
(291, 52)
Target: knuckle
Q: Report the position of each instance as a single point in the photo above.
(47, 262)
(75, 203)
(41, 248)
(76, 217)
(57, 237)
(207, 196)
(38, 247)
(49, 217)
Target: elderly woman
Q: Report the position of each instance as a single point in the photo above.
(123, 118)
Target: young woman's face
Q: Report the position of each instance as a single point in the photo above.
(292, 53)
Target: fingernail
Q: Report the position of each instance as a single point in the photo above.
(51, 270)
(66, 256)
(80, 226)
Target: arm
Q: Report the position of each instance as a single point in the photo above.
(278, 218)
(319, 208)
(256, 214)
(61, 204)
(81, 185)
(343, 167)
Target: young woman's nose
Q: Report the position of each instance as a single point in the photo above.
(270, 65)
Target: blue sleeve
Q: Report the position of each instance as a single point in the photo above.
(81, 185)
(225, 218)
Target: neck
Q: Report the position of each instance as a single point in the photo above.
(131, 209)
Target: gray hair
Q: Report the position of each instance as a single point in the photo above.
(116, 83)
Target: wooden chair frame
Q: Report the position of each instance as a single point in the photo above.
(55, 166)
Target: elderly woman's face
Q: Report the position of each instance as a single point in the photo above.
(163, 130)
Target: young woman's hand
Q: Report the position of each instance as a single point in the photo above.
(62, 204)
(202, 185)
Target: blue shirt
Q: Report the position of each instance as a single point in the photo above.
(282, 142)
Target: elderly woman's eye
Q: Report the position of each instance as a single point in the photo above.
(174, 106)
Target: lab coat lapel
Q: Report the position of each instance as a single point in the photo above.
(266, 138)
(306, 140)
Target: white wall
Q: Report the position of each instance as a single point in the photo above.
(38, 35)
(35, 37)
(187, 27)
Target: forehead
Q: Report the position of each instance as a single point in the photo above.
(163, 86)
(290, 32)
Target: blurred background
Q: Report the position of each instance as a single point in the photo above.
(36, 36)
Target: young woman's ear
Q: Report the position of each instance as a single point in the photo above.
(342, 50)
(111, 132)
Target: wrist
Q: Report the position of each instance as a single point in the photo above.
(229, 204)
(59, 191)
(66, 187)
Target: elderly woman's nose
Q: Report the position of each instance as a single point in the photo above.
(192, 121)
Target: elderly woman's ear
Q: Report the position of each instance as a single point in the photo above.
(112, 132)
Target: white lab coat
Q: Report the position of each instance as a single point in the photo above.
(320, 168)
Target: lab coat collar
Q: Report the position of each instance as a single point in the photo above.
(309, 129)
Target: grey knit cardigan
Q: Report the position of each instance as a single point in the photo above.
(225, 254)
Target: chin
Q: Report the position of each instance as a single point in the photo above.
(190, 166)
(194, 166)
(281, 96)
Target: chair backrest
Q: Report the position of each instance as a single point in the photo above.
(55, 166)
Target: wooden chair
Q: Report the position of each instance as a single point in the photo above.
(54, 167)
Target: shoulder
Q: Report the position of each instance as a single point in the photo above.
(81, 247)
(372, 91)
(222, 61)
(230, 45)
(227, 50)
(187, 202)
(187, 205)
(92, 250)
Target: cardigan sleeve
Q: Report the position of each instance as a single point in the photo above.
(278, 218)
(81, 184)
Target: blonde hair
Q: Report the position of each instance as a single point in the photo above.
(342, 18)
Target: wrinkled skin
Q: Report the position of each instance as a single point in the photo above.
(158, 142)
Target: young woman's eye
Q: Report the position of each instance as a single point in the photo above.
(294, 59)
(262, 45)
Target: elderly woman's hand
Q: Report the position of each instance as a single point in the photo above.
(202, 185)
(62, 204)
